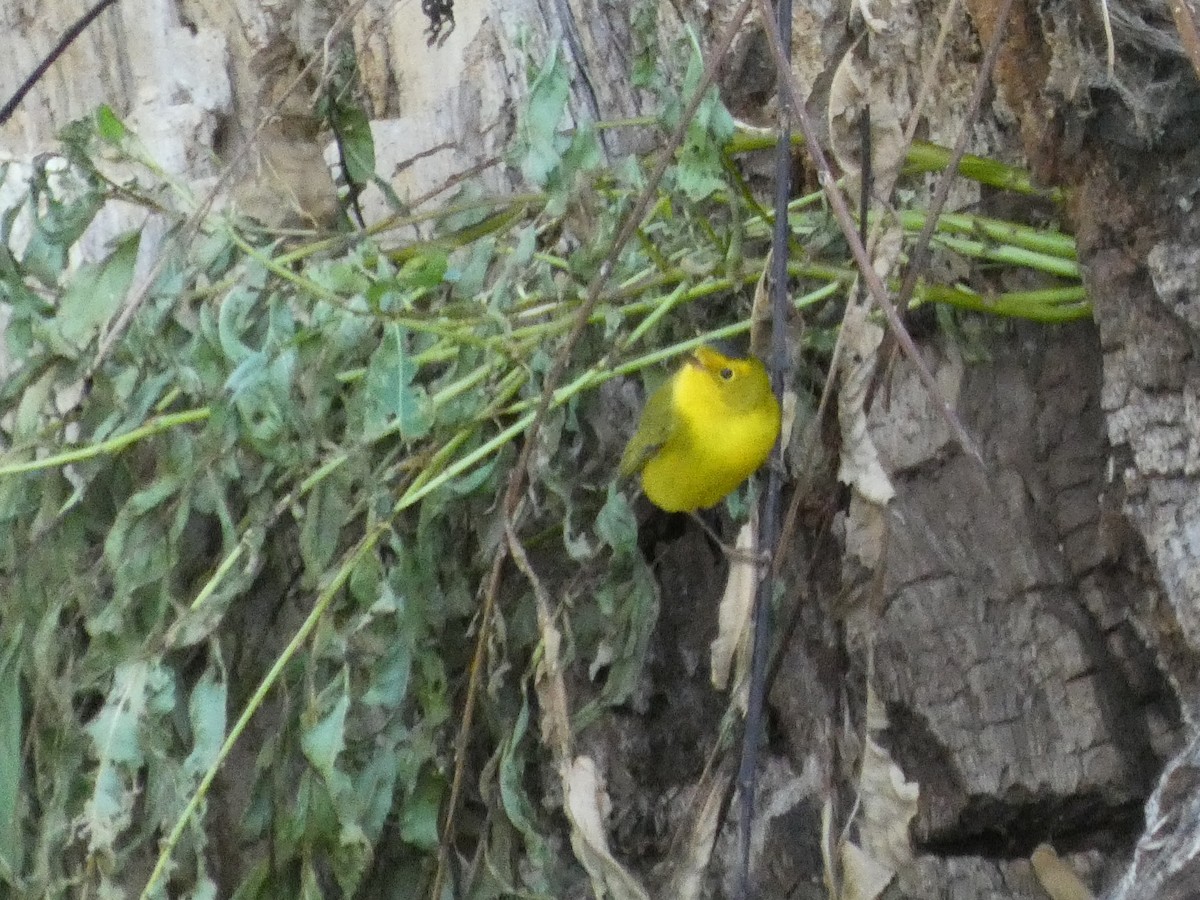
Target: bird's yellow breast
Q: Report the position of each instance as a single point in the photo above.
(721, 433)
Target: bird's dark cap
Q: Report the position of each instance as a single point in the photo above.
(731, 348)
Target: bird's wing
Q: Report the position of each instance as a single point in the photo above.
(656, 425)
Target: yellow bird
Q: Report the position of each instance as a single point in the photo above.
(704, 431)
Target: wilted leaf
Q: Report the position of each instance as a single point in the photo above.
(95, 293)
(324, 740)
(358, 144)
(206, 710)
(616, 524)
(734, 618)
(419, 815)
(513, 797)
(392, 397)
(541, 146)
(586, 803)
(139, 690)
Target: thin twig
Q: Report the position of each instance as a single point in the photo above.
(933, 60)
(845, 220)
(51, 58)
(747, 776)
(780, 42)
(919, 256)
(463, 739)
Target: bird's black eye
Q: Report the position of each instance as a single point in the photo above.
(727, 373)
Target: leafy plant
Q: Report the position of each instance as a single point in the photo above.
(243, 533)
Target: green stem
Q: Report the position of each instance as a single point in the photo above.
(112, 445)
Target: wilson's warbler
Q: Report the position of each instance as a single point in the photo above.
(704, 431)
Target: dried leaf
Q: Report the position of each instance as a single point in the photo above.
(288, 183)
(1189, 35)
(866, 532)
(860, 467)
(734, 618)
(789, 406)
(552, 690)
(887, 804)
(859, 83)
(587, 806)
(688, 862)
(863, 878)
(1056, 876)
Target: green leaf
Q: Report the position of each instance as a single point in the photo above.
(206, 710)
(108, 126)
(389, 682)
(351, 856)
(12, 735)
(471, 482)
(366, 584)
(358, 144)
(327, 511)
(419, 815)
(235, 316)
(374, 787)
(473, 265)
(583, 152)
(541, 146)
(392, 398)
(137, 548)
(324, 741)
(310, 883)
(700, 171)
(616, 524)
(66, 212)
(432, 692)
(427, 270)
(95, 293)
